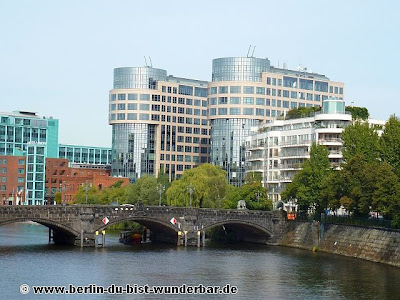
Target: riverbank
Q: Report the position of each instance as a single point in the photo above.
(373, 244)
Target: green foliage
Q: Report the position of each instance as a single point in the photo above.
(209, 183)
(301, 112)
(358, 113)
(252, 192)
(307, 185)
(390, 144)
(360, 139)
(144, 190)
(57, 197)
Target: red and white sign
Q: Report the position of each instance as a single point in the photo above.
(105, 220)
(173, 221)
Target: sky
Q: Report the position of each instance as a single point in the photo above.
(57, 57)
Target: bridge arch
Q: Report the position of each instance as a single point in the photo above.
(161, 230)
(244, 230)
(55, 226)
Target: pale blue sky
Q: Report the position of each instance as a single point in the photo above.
(57, 57)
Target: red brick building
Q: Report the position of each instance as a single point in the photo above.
(61, 178)
(12, 179)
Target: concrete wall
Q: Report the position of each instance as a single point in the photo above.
(379, 245)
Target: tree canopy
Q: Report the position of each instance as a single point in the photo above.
(360, 139)
(358, 113)
(307, 185)
(252, 192)
(209, 185)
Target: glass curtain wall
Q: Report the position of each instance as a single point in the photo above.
(134, 151)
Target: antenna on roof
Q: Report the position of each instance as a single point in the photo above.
(145, 61)
(248, 51)
(151, 64)
(253, 51)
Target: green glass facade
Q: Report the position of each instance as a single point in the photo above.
(17, 129)
(85, 154)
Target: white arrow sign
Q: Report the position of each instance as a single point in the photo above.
(105, 220)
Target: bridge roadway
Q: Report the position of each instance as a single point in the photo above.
(78, 224)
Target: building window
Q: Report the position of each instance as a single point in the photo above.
(234, 111)
(222, 111)
(132, 96)
(235, 100)
(132, 116)
(121, 96)
(259, 111)
(222, 100)
(235, 89)
(248, 90)
(248, 100)
(223, 90)
(143, 116)
(260, 101)
(144, 106)
(248, 111)
(145, 97)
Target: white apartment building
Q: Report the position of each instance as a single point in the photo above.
(280, 147)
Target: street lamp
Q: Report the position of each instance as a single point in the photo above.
(190, 190)
(258, 195)
(86, 191)
(160, 190)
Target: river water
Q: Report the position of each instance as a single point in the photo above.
(258, 271)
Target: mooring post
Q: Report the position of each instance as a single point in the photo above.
(81, 238)
(186, 238)
(50, 235)
(179, 238)
(104, 238)
(204, 238)
(198, 238)
(96, 235)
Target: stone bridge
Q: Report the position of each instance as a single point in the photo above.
(81, 224)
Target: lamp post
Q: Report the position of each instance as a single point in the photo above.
(190, 190)
(258, 195)
(86, 191)
(160, 190)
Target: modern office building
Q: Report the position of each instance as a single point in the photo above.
(35, 173)
(283, 145)
(19, 128)
(87, 157)
(159, 122)
(246, 92)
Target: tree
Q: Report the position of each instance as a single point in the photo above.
(57, 197)
(301, 112)
(390, 143)
(358, 113)
(251, 191)
(209, 187)
(144, 190)
(360, 138)
(307, 184)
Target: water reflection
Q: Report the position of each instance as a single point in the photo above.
(260, 272)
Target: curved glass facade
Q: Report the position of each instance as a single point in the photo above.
(239, 68)
(138, 77)
(228, 146)
(133, 147)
